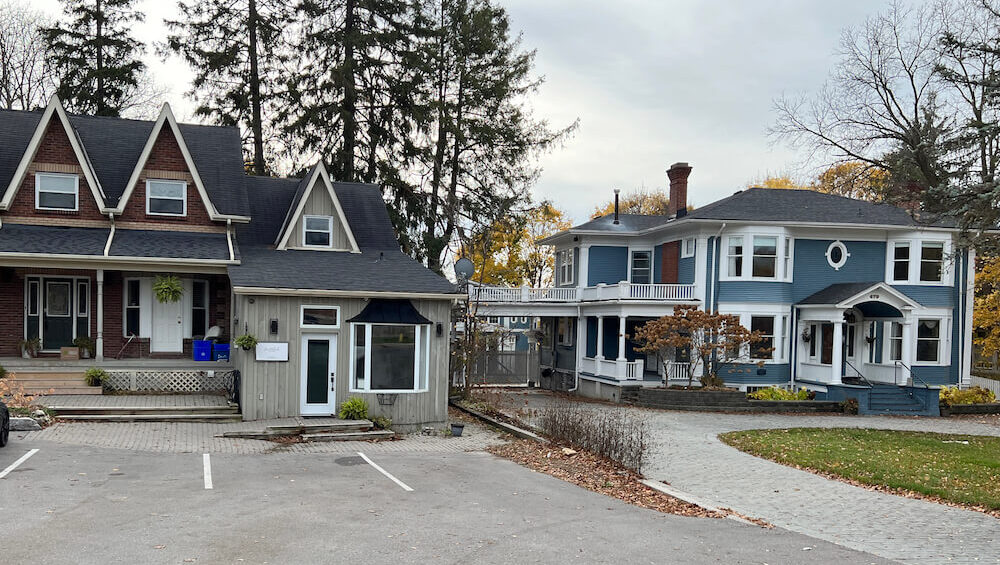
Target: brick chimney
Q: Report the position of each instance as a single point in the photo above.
(678, 175)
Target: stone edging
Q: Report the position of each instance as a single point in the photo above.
(514, 430)
(957, 409)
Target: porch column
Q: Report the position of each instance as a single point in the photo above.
(621, 338)
(600, 339)
(99, 345)
(837, 370)
(909, 341)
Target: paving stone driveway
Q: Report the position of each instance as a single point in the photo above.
(686, 452)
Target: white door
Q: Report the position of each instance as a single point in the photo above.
(319, 373)
(168, 327)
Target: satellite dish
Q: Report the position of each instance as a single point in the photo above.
(464, 269)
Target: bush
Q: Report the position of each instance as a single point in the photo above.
(382, 423)
(3, 372)
(355, 408)
(614, 433)
(850, 406)
(951, 396)
(712, 381)
(775, 393)
(95, 376)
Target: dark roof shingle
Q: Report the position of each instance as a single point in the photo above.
(171, 244)
(52, 240)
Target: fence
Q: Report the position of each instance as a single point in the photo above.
(170, 381)
(989, 384)
(505, 368)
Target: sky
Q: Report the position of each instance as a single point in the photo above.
(652, 83)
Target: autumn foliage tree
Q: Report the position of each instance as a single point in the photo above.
(986, 307)
(713, 339)
(640, 201)
(509, 252)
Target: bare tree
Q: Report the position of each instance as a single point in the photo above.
(26, 81)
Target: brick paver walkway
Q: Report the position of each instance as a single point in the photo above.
(685, 451)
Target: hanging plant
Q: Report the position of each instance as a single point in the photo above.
(246, 342)
(168, 288)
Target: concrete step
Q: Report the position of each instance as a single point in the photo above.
(72, 390)
(336, 427)
(350, 436)
(45, 375)
(140, 410)
(152, 417)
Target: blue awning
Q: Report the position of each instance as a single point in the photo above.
(390, 311)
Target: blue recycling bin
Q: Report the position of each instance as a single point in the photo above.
(220, 352)
(202, 350)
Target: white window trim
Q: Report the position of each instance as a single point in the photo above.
(775, 336)
(684, 247)
(944, 341)
(788, 258)
(567, 338)
(844, 254)
(183, 198)
(329, 230)
(305, 326)
(565, 267)
(632, 251)
(915, 245)
(421, 358)
(76, 188)
(747, 310)
(125, 307)
(777, 255)
(780, 274)
(84, 299)
(920, 262)
(38, 297)
(191, 306)
(887, 340)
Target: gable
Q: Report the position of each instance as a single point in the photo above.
(316, 197)
(319, 203)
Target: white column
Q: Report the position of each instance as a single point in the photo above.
(583, 269)
(600, 339)
(838, 352)
(99, 345)
(621, 338)
(909, 343)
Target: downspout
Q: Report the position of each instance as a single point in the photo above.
(229, 238)
(576, 373)
(715, 262)
(111, 236)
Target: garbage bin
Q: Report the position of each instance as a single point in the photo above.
(202, 350)
(220, 352)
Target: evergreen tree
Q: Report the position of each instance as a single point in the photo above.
(237, 50)
(95, 58)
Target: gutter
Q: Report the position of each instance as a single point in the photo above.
(715, 262)
(111, 236)
(267, 291)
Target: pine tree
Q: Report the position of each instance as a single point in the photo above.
(237, 50)
(95, 58)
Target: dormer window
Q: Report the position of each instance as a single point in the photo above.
(317, 231)
(166, 198)
(55, 191)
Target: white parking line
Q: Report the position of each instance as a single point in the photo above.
(15, 464)
(208, 471)
(384, 472)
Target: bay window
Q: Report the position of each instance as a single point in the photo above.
(763, 349)
(765, 256)
(390, 357)
(736, 256)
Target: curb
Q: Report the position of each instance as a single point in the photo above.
(691, 499)
(514, 430)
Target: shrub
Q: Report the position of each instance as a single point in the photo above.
(712, 381)
(355, 408)
(3, 372)
(775, 393)
(951, 396)
(850, 406)
(615, 433)
(95, 376)
(382, 423)
(13, 395)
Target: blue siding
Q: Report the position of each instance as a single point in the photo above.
(750, 373)
(685, 270)
(929, 295)
(933, 374)
(812, 273)
(608, 265)
(754, 291)
(657, 264)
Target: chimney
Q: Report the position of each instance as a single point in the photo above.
(616, 207)
(678, 175)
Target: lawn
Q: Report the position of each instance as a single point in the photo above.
(955, 468)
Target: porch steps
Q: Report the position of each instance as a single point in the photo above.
(54, 382)
(891, 399)
(343, 430)
(148, 414)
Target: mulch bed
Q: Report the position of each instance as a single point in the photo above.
(597, 474)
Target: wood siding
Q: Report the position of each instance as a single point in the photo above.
(319, 203)
(279, 382)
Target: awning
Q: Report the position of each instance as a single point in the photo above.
(390, 311)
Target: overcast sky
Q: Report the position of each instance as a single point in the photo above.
(653, 82)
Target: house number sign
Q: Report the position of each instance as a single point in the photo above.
(272, 351)
(873, 296)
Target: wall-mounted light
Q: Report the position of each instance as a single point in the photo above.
(273, 325)
(440, 329)
(250, 300)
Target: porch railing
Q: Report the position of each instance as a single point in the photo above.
(612, 368)
(620, 291)
(677, 371)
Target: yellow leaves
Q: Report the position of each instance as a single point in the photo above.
(852, 179)
(508, 251)
(651, 203)
(986, 306)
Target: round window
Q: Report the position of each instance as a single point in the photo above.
(837, 254)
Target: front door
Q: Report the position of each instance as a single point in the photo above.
(319, 368)
(57, 322)
(168, 327)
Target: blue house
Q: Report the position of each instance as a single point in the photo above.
(848, 293)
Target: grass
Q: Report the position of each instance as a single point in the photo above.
(940, 466)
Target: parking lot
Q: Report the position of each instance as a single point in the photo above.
(80, 504)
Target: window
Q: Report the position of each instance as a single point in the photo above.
(763, 349)
(895, 341)
(320, 317)
(33, 296)
(870, 339)
(57, 192)
(900, 261)
(495, 320)
(837, 254)
(736, 256)
(166, 197)
(641, 267)
(783, 337)
(931, 259)
(132, 307)
(390, 357)
(564, 331)
(813, 338)
(687, 249)
(928, 341)
(787, 268)
(850, 335)
(765, 256)
(199, 308)
(57, 299)
(82, 299)
(317, 231)
(564, 267)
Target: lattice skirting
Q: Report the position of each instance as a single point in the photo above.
(169, 381)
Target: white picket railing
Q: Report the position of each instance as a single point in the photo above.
(612, 368)
(988, 384)
(620, 291)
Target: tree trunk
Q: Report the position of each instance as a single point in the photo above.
(440, 147)
(256, 125)
(102, 109)
(349, 107)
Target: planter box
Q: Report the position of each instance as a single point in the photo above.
(957, 409)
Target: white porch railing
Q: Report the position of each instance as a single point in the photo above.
(612, 368)
(677, 371)
(620, 291)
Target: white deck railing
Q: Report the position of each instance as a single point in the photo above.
(612, 368)
(620, 291)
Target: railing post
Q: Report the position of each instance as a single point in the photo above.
(624, 289)
(524, 294)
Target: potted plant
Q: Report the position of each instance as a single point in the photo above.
(246, 342)
(86, 346)
(457, 428)
(29, 347)
(95, 376)
(168, 288)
